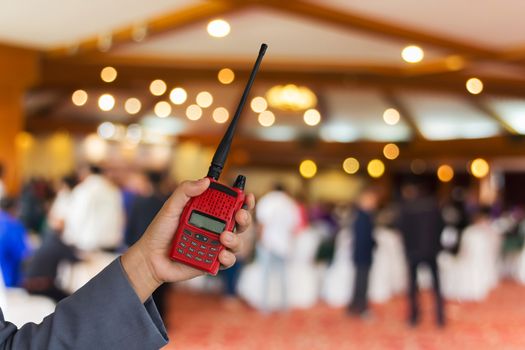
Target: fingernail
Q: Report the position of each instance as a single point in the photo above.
(228, 237)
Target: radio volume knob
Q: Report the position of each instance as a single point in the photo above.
(240, 182)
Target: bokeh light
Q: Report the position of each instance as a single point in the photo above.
(108, 74)
(178, 96)
(479, 168)
(312, 117)
(106, 130)
(351, 165)
(308, 168)
(474, 86)
(412, 54)
(445, 173)
(391, 151)
(218, 28)
(204, 99)
(158, 87)
(79, 97)
(375, 168)
(259, 104)
(193, 112)
(266, 118)
(162, 109)
(221, 115)
(391, 116)
(132, 105)
(106, 102)
(226, 76)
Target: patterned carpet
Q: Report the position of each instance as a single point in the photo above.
(209, 322)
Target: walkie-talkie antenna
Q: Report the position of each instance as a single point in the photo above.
(219, 158)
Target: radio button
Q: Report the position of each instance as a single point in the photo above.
(203, 246)
(180, 250)
(194, 244)
(189, 256)
(184, 238)
(183, 245)
(209, 261)
(198, 259)
(191, 250)
(201, 253)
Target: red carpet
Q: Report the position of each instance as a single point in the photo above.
(206, 322)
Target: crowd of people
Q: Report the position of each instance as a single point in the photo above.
(297, 252)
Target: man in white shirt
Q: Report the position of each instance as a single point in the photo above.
(95, 218)
(279, 216)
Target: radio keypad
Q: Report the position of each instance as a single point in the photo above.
(191, 246)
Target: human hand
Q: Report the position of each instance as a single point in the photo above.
(147, 262)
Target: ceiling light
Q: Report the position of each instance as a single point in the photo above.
(193, 112)
(474, 86)
(259, 104)
(308, 168)
(391, 151)
(351, 165)
(79, 97)
(106, 130)
(162, 109)
(412, 54)
(178, 96)
(312, 117)
(132, 105)
(479, 168)
(226, 76)
(157, 87)
(221, 115)
(218, 28)
(106, 102)
(375, 168)
(291, 97)
(266, 118)
(108, 74)
(204, 99)
(391, 116)
(445, 173)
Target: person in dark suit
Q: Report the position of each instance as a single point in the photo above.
(114, 310)
(421, 224)
(363, 246)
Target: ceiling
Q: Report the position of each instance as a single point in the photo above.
(346, 51)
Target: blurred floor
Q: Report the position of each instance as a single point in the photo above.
(206, 322)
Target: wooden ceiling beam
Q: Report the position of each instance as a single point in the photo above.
(355, 21)
(160, 25)
(487, 110)
(69, 75)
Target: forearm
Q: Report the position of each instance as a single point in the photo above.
(139, 272)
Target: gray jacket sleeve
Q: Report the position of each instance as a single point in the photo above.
(104, 314)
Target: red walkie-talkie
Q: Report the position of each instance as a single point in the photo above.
(205, 217)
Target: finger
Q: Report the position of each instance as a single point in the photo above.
(231, 241)
(243, 219)
(175, 204)
(249, 201)
(227, 258)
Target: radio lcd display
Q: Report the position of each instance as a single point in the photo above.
(205, 222)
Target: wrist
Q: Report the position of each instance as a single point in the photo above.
(139, 271)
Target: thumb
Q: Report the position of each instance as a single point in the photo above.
(175, 204)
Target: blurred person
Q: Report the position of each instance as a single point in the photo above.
(144, 206)
(33, 198)
(14, 247)
(95, 220)
(143, 209)
(363, 246)
(421, 224)
(278, 216)
(42, 268)
(61, 205)
(114, 310)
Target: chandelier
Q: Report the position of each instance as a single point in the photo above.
(291, 97)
